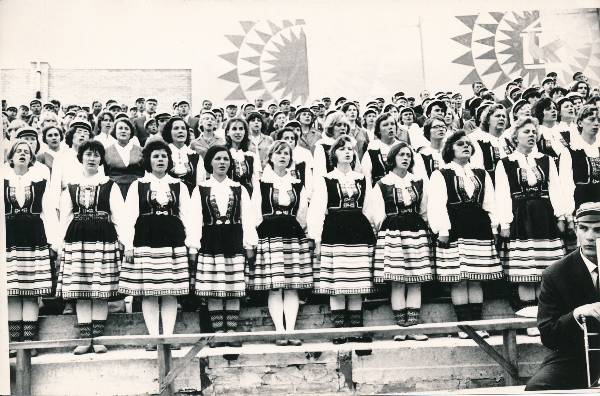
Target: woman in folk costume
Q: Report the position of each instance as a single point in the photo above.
(462, 213)
(409, 125)
(397, 208)
(580, 171)
(124, 162)
(53, 137)
(187, 164)
(31, 226)
(567, 121)
(531, 212)
(302, 165)
(374, 162)
(549, 138)
(246, 167)
(91, 217)
(520, 110)
(359, 134)
(160, 240)
(228, 238)
(336, 124)
(434, 131)
(343, 237)
(487, 141)
(284, 255)
(104, 124)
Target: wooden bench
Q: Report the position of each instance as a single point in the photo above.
(508, 359)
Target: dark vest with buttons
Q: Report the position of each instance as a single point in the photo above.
(210, 210)
(517, 178)
(189, 179)
(246, 178)
(336, 199)
(101, 200)
(392, 198)
(33, 199)
(299, 172)
(431, 164)
(491, 156)
(269, 204)
(148, 204)
(455, 187)
(328, 163)
(586, 176)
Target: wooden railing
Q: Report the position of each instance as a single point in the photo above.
(508, 359)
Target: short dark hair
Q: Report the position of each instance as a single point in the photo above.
(280, 133)
(127, 121)
(428, 123)
(584, 113)
(210, 154)
(380, 119)
(48, 128)
(487, 114)
(168, 128)
(277, 146)
(538, 109)
(153, 146)
(338, 144)
(92, 145)
(71, 132)
(245, 141)
(448, 150)
(390, 161)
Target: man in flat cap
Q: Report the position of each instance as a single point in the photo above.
(140, 122)
(570, 289)
(183, 109)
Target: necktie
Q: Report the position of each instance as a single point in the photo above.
(596, 279)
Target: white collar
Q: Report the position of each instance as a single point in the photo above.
(590, 266)
(379, 144)
(27, 178)
(183, 150)
(458, 168)
(395, 180)
(94, 180)
(269, 176)
(591, 150)
(338, 174)
(149, 177)
(516, 155)
(212, 182)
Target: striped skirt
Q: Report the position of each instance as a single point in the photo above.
(535, 241)
(472, 254)
(90, 260)
(28, 269)
(221, 262)
(160, 263)
(403, 256)
(283, 256)
(156, 272)
(346, 263)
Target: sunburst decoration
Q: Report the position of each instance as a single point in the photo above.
(270, 61)
(504, 45)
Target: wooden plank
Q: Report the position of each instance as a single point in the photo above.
(23, 382)
(46, 344)
(510, 353)
(506, 365)
(164, 366)
(181, 365)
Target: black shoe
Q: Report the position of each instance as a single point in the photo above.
(339, 340)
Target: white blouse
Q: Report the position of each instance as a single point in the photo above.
(117, 206)
(479, 135)
(318, 206)
(222, 192)
(320, 156)
(553, 135)
(49, 217)
(187, 211)
(283, 184)
(438, 198)
(239, 156)
(503, 195)
(366, 163)
(181, 159)
(375, 205)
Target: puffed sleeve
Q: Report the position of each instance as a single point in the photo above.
(200, 171)
(248, 221)
(367, 166)
(302, 209)
(66, 215)
(118, 213)
(436, 205)
(503, 198)
(374, 209)
(424, 199)
(257, 171)
(55, 188)
(256, 201)
(477, 158)
(186, 214)
(319, 162)
(196, 220)
(565, 173)
(419, 169)
(308, 180)
(489, 202)
(317, 209)
(132, 211)
(50, 219)
(555, 190)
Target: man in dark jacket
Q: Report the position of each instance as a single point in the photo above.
(569, 291)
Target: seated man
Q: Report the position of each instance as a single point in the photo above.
(569, 290)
